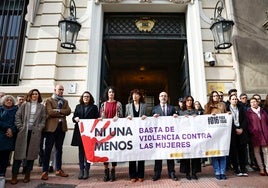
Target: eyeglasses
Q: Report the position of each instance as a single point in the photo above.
(220, 95)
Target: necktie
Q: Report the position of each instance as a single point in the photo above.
(164, 110)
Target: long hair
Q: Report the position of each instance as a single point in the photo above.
(184, 102)
(30, 93)
(137, 92)
(210, 101)
(91, 101)
(105, 94)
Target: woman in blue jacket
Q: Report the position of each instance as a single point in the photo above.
(7, 130)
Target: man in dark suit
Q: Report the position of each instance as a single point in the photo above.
(163, 109)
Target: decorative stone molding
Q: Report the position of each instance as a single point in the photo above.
(180, 1)
(107, 1)
(143, 1)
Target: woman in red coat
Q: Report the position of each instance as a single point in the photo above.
(258, 129)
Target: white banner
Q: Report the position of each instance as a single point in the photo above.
(164, 137)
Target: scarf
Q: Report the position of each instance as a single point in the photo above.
(257, 111)
(59, 99)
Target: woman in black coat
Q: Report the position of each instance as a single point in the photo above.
(85, 110)
(239, 138)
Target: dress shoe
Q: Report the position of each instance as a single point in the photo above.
(141, 179)
(194, 176)
(156, 177)
(133, 180)
(61, 173)
(223, 177)
(44, 176)
(218, 177)
(188, 177)
(173, 176)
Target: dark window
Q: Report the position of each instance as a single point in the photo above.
(12, 34)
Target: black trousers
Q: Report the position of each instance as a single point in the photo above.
(158, 167)
(238, 157)
(134, 172)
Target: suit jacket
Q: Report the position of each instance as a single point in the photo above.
(91, 113)
(129, 109)
(158, 110)
(54, 116)
(236, 140)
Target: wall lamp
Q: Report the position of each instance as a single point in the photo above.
(69, 29)
(221, 28)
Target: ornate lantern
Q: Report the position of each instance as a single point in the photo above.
(221, 28)
(69, 29)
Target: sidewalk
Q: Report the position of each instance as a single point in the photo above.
(206, 179)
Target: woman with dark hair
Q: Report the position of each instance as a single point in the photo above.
(7, 130)
(258, 130)
(213, 107)
(30, 121)
(189, 165)
(110, 108)
(84, 110)
(238, 146)
(136, 108)
(198, 107)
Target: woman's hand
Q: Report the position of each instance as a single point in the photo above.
(9, 133)
(77, 119)
(239, 131)
(175, 115)
(129, 117)
(143, 117)
(115, 118)
(156, 115)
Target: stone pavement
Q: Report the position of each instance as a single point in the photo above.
(206, 179)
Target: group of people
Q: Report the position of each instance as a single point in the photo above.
(23, 126)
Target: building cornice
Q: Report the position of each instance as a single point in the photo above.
(144, 1)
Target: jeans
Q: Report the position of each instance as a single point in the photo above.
(219, 165)
(52, 138)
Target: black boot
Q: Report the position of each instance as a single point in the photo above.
(106, 176)
(113, 174)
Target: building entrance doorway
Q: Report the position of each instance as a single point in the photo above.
(152, 62)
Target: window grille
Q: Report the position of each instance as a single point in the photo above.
(12, 34)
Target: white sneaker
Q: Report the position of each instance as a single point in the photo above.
(245, 174)
(239, 174)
